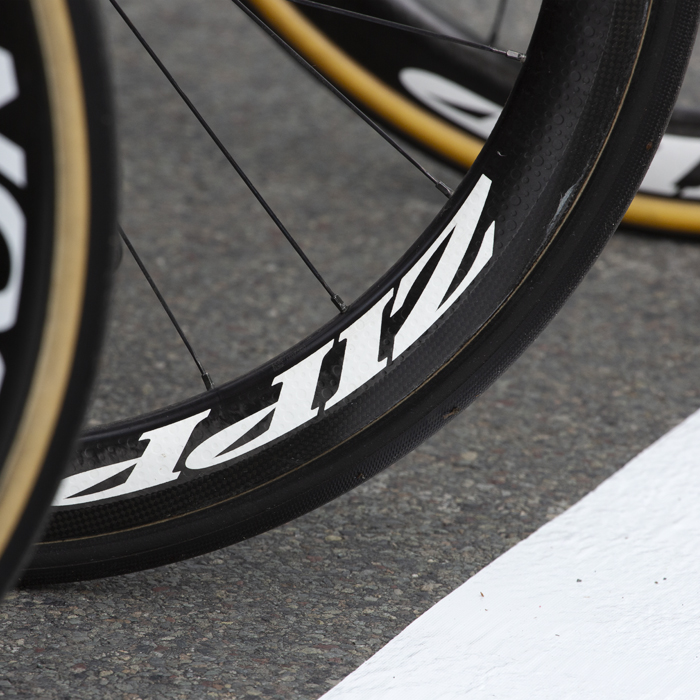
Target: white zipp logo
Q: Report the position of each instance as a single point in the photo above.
(674, 172)
(297, 385)
(455, 102)
(12, 220)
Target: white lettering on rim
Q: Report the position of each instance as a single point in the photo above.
(294, 407)
(13, 223)
(153, 468)
(13, 162)
(432, 303)
(455, 102)
(677, 157)
(9, 89)
(360, 362)
(13, 230)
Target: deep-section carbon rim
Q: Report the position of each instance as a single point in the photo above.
(496, 263)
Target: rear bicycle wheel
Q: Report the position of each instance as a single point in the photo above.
(458, 93)
(493, 267)
(56, 206)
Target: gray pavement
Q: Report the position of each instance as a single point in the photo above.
(288, 614)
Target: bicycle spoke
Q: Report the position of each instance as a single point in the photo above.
(335, 298)
(205, 375)
(441, 186)
(508, 53)
(498, 21)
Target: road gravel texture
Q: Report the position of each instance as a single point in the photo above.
(289, 613)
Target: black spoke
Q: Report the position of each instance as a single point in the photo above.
(447, 191)
(498, 21)
(335, 298)
(205, 375)
(516, 55)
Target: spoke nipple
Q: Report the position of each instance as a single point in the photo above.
(340, 304)
(439, 185)
(207, 381)
(516, 55)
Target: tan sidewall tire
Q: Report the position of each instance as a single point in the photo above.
(54, 364)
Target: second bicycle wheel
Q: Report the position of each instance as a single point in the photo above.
(57, 210)
(458, 93)
(499, 259)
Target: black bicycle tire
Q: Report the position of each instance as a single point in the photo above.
(669, 199)
(561, 225)
(64, 192)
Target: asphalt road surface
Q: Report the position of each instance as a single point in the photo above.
(289, 613)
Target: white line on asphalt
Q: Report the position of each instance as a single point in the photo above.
(602, 602)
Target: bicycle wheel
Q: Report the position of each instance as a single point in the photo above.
(55, 206)
(548, 189)
(460, 94)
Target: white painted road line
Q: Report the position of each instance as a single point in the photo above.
(602, 603)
